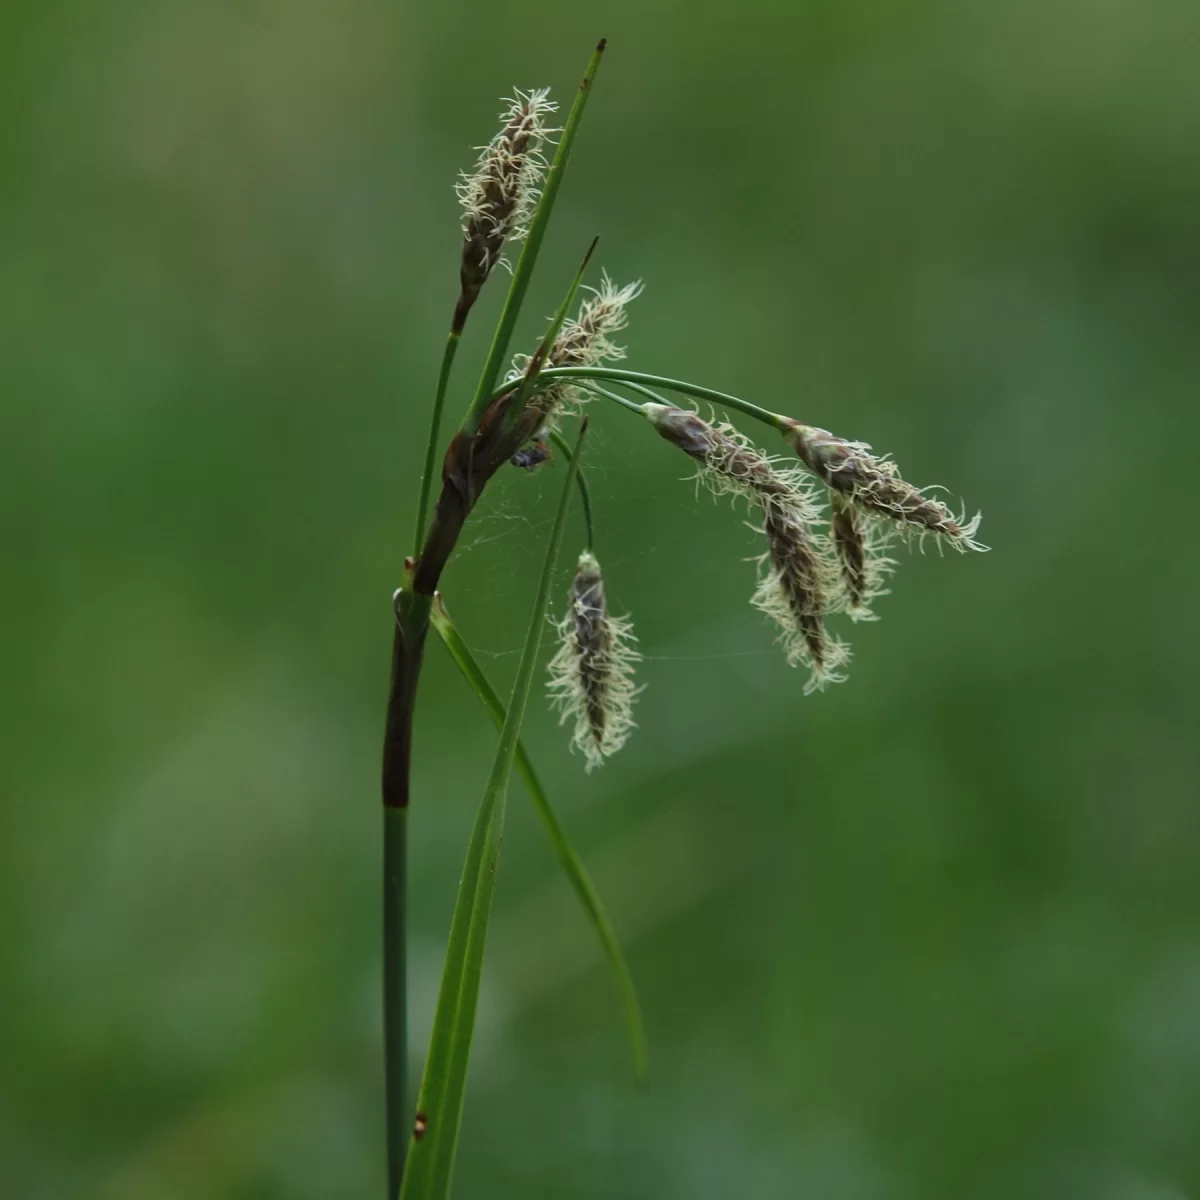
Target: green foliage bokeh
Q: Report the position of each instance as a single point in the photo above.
(932, 933)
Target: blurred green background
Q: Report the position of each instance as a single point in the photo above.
(934, 933)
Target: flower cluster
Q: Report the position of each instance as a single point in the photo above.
(827, 520)
(797, 576)
(591, 675)
(816, 565)
(499, 195)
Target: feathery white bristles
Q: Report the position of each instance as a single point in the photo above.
(874, 483)
(591, 674)
(797, 574)
(799, 632)
(583, 341)
(797, 577)
(498, 196)
(860, 541)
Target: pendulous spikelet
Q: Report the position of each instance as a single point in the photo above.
(498, 196)
(797, 578)
(591, 674)
(860, 541)
(874, 483)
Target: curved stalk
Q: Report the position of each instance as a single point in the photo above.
(652, 396)
(585, 495)
(632, 405)
(617, 375)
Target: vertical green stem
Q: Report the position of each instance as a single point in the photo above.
(395, 1014)
(435, 425)
(408, 643)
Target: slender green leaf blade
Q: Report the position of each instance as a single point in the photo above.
(570, 861)
(431, 1151)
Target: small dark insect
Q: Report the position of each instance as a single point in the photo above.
(532, 456)
(419, 1126)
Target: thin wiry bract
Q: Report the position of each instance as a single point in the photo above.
(875, 483)
(499, 195)
(797, 574)
(591, 674)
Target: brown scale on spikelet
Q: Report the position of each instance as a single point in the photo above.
(797, 575)
(591, 675)
(874, 483)
(860, 541)
(498, 196)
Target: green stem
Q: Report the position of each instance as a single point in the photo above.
(395, 1016)
(435, 425)
(408, 641)
(652, 396)
(617, 375)
(621, 400)
(585, 496)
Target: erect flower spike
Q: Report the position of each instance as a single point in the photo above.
(874, 483)
(583, 341)
(797, 573)
(499, 195)
(591, 675)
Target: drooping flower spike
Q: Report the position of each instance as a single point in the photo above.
(797, 575)
(874, 484)
(499, 195)
(860, 542)
(591, 675)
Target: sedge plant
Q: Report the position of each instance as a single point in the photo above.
(829, 511)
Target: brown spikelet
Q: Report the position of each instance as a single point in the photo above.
(498, 195)
(794, 585)
(583, 341)
(591, 644)
(860, 541)
(844, 528)
(591, 675)
(851, 470)
(792, 592)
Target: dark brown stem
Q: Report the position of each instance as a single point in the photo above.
(470, 462)
(402, 698)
